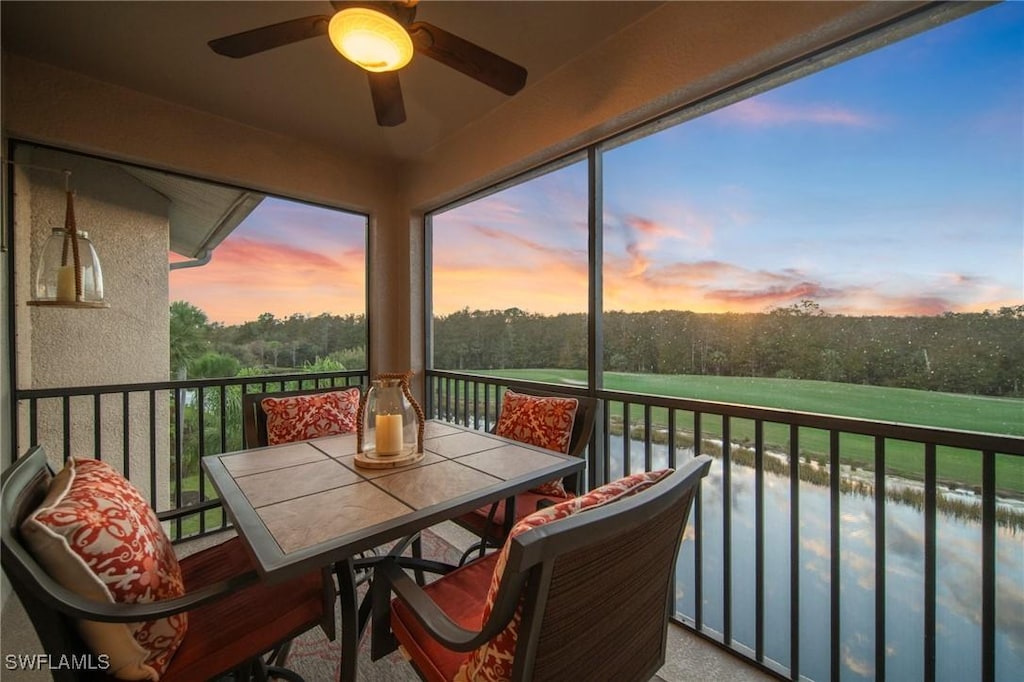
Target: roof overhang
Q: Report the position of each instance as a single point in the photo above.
(201, 214)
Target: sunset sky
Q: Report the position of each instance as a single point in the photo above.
(285, 258)
(890, 184)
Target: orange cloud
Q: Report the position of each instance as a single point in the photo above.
(548, 281)
(554, 288)
(644, 236)
(772, 296)
(512, 259)
(247, 277)
(651, 227)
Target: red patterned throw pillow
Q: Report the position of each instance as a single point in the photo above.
(492, 662)
(96, 535)
(315, 415)
(544, 421)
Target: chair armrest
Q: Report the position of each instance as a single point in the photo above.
(433, 619)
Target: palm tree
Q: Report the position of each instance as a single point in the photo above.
(188, 336)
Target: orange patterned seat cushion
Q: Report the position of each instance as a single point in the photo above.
(96, 535)
(493, 661)
(461, 594)
(301, 417)
(544, 421)
(223, 633)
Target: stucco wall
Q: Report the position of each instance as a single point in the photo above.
(127, 343)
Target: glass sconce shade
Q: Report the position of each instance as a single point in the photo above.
(55, 273)
(390, 419)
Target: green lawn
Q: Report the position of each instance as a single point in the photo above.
(876, 403)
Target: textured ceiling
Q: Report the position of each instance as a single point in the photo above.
(305, 90)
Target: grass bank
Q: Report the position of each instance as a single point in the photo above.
(955, 467)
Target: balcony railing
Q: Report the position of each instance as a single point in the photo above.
(769, 528)
(156, 434)
(744, 581)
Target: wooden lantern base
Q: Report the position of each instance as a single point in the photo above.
(372, 460)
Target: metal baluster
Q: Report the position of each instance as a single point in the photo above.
(834, 565)
(930, 562)
(880, 648)
(726, 530)
(698, 531)
(759, 540)
(97, 426)
(126, 436)
(988, 565)
(794, 552)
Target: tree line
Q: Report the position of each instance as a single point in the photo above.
(973, 353)
(202, 349)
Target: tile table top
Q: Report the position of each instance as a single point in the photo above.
(308, 504)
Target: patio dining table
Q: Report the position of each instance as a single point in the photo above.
(303, 506)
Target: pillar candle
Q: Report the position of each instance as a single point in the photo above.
(389, 434)
(66, 283)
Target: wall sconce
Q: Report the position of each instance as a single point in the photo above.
(68, 274)
(389, 424)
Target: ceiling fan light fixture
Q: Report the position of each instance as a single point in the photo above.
(373, 40)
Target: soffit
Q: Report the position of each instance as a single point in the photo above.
(201, 214)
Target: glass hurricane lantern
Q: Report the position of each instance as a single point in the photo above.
(389, 431)
(68, 273)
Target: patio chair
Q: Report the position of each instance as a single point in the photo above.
(492, 524)
(233, 617)
(580, 591)
(254, 415)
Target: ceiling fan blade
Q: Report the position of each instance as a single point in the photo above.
(387, 98)
(472, 60)
(268, 37)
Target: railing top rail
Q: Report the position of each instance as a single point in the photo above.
(972, 440)
(509, 382)
(72, 391)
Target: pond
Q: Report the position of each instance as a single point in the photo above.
(958, 579)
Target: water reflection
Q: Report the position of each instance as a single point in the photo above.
(958, 578)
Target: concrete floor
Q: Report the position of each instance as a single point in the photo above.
(689, 658)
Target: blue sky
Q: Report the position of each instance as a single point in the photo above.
(889, 184)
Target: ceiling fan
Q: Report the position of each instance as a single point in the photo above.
(381, 37)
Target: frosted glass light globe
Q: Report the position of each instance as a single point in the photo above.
(370, 39)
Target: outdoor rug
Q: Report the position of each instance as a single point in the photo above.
(319, 660)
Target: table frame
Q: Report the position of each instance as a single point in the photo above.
(275, 564)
